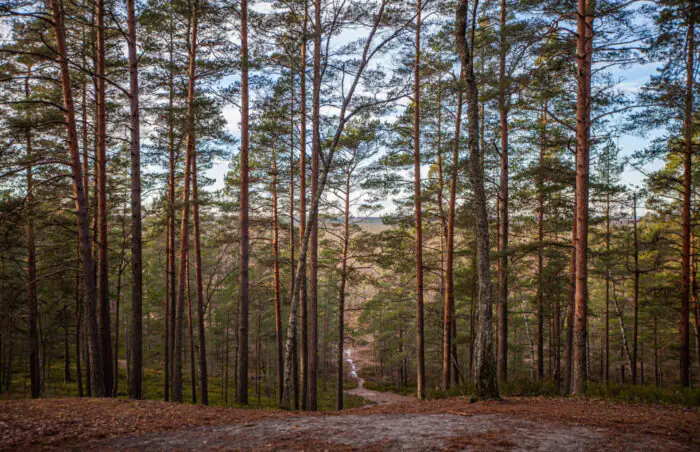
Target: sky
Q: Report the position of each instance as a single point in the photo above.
(630, 80)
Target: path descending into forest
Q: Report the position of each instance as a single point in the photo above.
(456, 424)
(375, 397)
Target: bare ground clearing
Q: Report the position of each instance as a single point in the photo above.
(516, 423)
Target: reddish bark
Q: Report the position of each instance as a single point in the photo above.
(584, 50)
(92, 330)
(243, 294)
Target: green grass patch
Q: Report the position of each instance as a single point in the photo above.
(56, 386)
(645, 394)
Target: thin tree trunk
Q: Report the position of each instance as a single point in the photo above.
(276, 271)
(190, 328)
(418, 218)
(303, 302)
(177, 388)
(503, 106)
(341, 294)
(540, 240)
(606, 361)
(103, 258)
(226, 345)
(485, 362)
(313, 258)
(243, 301)
(694, 295)
(584, 50)
(170, 295)
(136, 333)
(450, 245)
(635, 300)
(687, 193)
(295, 364)
(32, 300)
(442, 215)
(117, 304)
(78, 336)
(199, 286)
(623, 331)
(92, 329)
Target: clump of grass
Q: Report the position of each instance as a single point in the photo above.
(403, 390)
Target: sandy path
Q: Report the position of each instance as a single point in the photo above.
(377, 397)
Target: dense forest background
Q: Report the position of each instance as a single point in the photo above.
(216, 201)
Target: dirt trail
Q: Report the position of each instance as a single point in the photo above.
(377, 397)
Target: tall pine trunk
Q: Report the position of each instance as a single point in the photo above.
(312, 370)
(276, 273)
(584, 50)
(170, 282)
(450, 245)
(485, 362)
(503, 106)
(301, 394)
(135, 336)
(418, 218)
(540, 240)
(199, 286)
(280, 359)
(687, 193)
(635, 293)
(177, 388)
(92, 330)
(243, 295)
(103, 257)
(32, 299)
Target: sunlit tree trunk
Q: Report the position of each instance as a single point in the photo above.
(485, 362)
(584, 50)
(92, 329)
(199, 286)
(184, 225)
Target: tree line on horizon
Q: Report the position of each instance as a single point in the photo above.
(513, 248)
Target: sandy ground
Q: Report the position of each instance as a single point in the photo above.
(389, 422)
(450, 424)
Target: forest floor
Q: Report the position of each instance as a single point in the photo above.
(514, 423)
